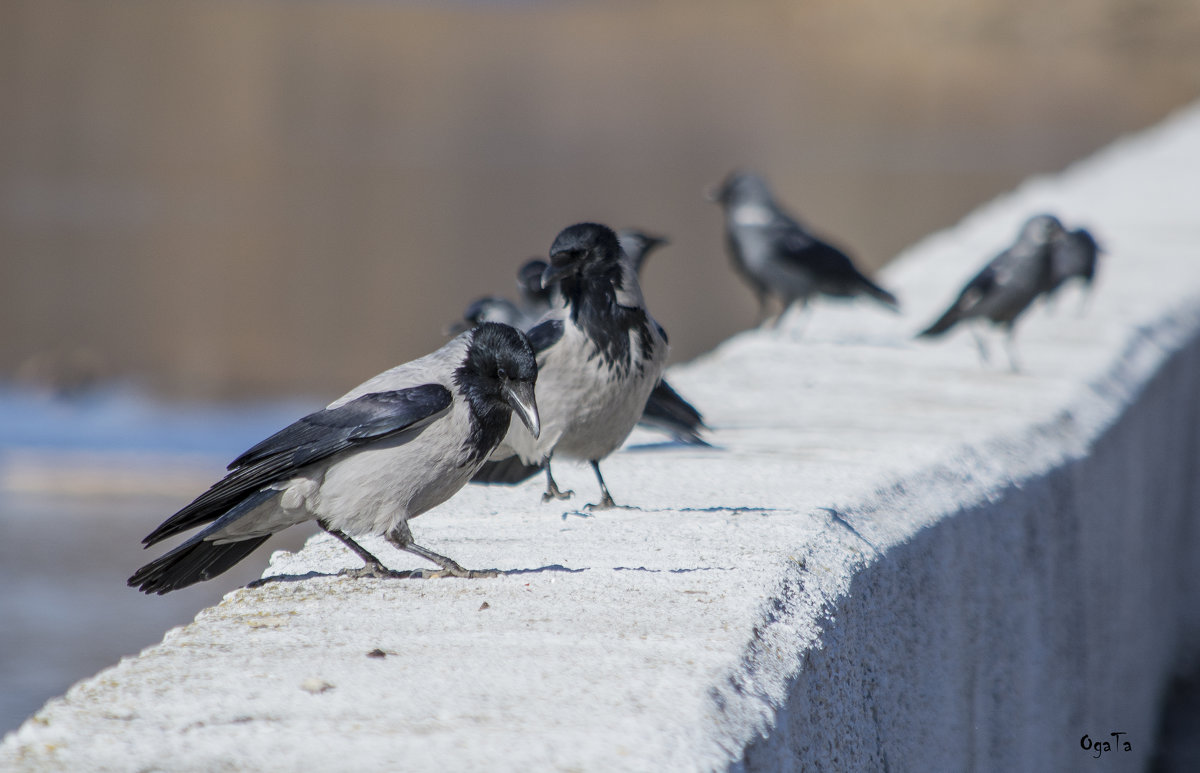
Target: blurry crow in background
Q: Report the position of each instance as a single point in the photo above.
(1007, 285)
(779, 257)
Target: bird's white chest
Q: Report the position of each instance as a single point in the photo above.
(587, 407)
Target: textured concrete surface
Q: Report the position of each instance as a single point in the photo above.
(897, 559)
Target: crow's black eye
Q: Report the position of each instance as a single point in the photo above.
(501, 373)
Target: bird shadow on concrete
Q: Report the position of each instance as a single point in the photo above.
(671, 445)
(674, 571)
(731, 509)
(414, 574)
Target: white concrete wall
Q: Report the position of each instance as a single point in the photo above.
(1007, 561)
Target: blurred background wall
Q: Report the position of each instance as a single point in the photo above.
(232, 198)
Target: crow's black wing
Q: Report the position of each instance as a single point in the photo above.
(507, 471)
(980, 286)
(313, 438)
(832, 269)
(545, 335)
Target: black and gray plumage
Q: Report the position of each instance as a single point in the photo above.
(666, 410)
(599, 353)
(779, 257)
(1007, 285)
(388, 450)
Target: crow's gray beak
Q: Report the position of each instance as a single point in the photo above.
(519, 395)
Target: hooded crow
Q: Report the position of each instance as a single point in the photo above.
(599, 356)
(777, 256)
(666, 410)
(393, 447)
(1007, 285)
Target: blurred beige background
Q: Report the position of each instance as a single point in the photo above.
(232, 198)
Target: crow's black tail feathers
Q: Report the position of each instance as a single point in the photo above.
(190, 563)
(509, 471)
(944, 323)
(670, 413)
(880, 294)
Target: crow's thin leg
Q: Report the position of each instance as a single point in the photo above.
(981, 344)
(401, 537)
(372, 567)
(1011, 350)
(606, 501)
(1085, 301)
(803, 316)
(763, 313)
(552, 490)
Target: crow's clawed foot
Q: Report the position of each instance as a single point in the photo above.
(607, 503)
(375, 570)
(457, 571)
(554, 492)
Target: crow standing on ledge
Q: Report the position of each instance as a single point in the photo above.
(666, 410)
(385, 452)
(1007, 285)
(778, 257)
(599, 355)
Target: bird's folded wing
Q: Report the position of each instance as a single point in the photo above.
(319, 435)
(545, 334)
(508, 471)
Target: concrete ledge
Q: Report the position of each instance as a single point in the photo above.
(898, 560)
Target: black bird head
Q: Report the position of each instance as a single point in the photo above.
(529, 282)
(1075, 254)
(584, 249)
(1040, 229)
(638, 245)
(499, 372)
(1090, 250)
(740, 187)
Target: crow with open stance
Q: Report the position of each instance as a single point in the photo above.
(600, 354)
(666, 410)
(777, 256)
(393, 447)
(1007, 285)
